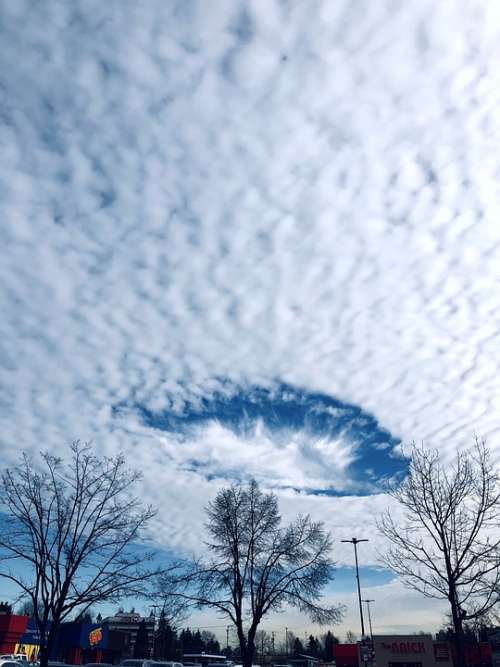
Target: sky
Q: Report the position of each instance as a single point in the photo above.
(253, 239)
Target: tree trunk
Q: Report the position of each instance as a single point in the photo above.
(247, 656)
(50, 639)
(458, 628)
(43, 656)
(43, 652)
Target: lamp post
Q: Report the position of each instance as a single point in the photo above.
(355, 541)
(369, 616)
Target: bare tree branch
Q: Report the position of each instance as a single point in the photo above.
(448, 544)
(257, 565)
(73, 527)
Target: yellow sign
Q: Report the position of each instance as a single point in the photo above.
(95, 636)
(29, 650)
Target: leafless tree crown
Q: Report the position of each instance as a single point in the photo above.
(73, 527)
(447, 542)
(258, 566)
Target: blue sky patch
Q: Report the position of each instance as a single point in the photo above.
(282, 412)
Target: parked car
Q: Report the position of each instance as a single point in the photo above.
(9, 662)
(137, 662)
(14, 656)
(98, 664)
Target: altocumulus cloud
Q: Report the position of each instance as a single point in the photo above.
(282, 195)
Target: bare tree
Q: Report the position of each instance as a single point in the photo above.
(69, 533)
(263, 642)
(257, 566)
(447, 544)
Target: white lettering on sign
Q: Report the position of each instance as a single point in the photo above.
(404, 647)
(408, 647)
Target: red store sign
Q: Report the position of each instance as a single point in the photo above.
(404, 647)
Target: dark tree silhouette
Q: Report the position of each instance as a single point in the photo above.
(5, 608)
(141, 646)
(329, 641)
(298, 647)
(71, 529)
(257, 566)
(312, 647)
(209, 642)
(446, 543)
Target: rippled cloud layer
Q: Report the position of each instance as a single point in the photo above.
(282, 195)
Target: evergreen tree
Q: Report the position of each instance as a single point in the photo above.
(329, 641)
(98, 618)
(166, 646)
(198, 641)
(5, 608)
(159, 646)
(209, 642)
(86, 617)
(298, 647)
(173, 651)
(187, 641)
(312, 647)
(141, 641)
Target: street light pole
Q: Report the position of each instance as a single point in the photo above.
(369, 616)
(355, 541)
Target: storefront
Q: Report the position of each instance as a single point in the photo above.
(89, 642)
(19, 634)
(76, 643)
(410, 651)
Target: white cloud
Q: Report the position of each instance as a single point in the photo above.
(258, 192)
(394, 611)
(294, 459)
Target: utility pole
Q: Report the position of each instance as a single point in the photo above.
(369, 616)
(227, 639)
(286, 641)
(355, 541)
(272, 641)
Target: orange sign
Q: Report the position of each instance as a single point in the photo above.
(95, 636)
